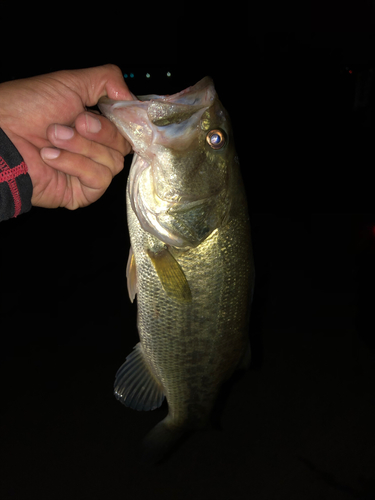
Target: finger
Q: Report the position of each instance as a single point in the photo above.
(67, 138)
(99, 129)
(92, 175)
(93, 83)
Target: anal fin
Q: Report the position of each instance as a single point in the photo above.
(136, 386)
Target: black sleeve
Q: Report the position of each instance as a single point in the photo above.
(16, 188)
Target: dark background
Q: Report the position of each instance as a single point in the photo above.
(300, 423)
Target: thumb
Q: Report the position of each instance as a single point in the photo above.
(93, 83)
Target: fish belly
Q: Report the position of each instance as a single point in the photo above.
(192, 348)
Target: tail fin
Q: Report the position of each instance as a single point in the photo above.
(160, 440)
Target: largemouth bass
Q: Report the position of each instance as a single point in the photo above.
(190, 262)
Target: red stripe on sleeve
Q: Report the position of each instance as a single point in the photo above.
(9, 175)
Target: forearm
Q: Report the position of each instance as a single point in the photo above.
(15, 183)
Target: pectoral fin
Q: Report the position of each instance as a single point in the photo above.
(131, 275)
(171, 276)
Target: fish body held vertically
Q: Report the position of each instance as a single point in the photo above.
(190, 264)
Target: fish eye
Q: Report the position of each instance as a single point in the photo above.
(216, 139)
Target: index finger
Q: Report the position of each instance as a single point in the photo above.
(93, 83)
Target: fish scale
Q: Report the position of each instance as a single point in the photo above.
(190, 266)
(203, 340)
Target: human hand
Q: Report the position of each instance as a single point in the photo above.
(32, 114)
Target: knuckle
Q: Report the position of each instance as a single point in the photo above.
(117, 161)
(113, 68)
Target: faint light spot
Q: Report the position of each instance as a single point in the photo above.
(126, 75)
(169, 74)
(131, 75)
(148, 75)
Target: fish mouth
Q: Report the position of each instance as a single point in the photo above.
(199, 94)
(155, 119)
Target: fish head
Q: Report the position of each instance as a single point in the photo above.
(184, 151)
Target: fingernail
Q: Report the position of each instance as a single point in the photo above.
(93, 124)
(50, 153)
(63, 133)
